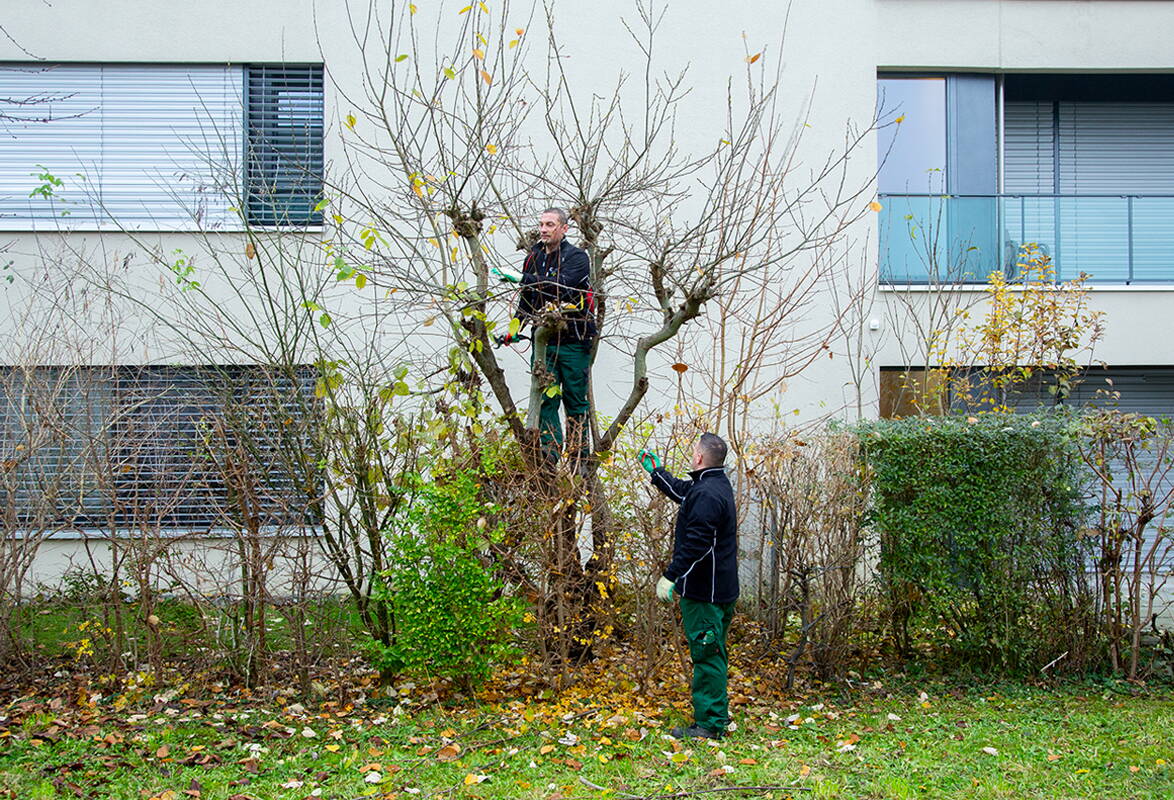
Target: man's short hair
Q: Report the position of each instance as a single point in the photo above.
(561, 213)
(713, 447)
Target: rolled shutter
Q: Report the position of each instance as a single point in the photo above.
(53, 127)
(285, 130)
(153, 147)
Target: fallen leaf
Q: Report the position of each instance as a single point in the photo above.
(990, 751)
(472, 779)
(1054, 756)
(448, 753)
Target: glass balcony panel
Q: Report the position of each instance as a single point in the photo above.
(1153, 239)
(936, 239)
(1027, 221)
(1094, 239)
(952, 238)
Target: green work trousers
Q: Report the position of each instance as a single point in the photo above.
(706, 626)
(569, 363)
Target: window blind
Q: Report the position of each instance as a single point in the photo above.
(154, 147)
(188, 448)
(285, 130)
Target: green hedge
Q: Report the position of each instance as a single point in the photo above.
(980, 524)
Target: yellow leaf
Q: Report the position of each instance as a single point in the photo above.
(465, 10)
(350, 121)
(478, 53)
(360, 281)
(519, 31)
(899, 119)
(513, 43)
(804, 771)
(546, 748)
(337, 218)
(471, 779)
(428, 323)
(485, 76)
(875, 205)
(412, 8)
(753, 58)
(250, 251)
(491, 149)
(332, 748)
(484, 7)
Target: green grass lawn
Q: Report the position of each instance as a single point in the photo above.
(1082, 741)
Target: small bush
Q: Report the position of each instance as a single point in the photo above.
(980, 525)
(452, 616)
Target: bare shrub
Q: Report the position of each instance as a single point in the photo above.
(806, 527)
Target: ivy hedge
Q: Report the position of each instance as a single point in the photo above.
(981, 525)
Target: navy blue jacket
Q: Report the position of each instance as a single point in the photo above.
(705, 543)
(562, 277)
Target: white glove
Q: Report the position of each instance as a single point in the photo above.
(664, 589)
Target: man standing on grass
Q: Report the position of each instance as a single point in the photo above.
(557, 274)
(704, 573)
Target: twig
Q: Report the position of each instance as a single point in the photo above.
(1053, 662)
(693, 792)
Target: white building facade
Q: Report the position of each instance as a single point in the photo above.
(1021, 121)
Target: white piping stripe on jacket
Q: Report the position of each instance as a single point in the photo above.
(708, 552)
(668, 487)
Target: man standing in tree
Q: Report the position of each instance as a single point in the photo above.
(557, 275)
(704, 573)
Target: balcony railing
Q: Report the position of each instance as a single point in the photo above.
(1118, 239)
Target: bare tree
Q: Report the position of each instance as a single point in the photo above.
(668, 232)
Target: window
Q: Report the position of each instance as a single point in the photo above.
(159, 147)
(913, 151)
(285, 145)
(983, 165)
(190, 448)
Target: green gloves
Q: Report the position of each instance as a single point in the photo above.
(649, 461)
(506, 277)
(664, 589)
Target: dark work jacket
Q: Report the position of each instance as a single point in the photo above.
(561, 277)
(705, 543)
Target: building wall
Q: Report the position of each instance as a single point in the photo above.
(829, 54)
